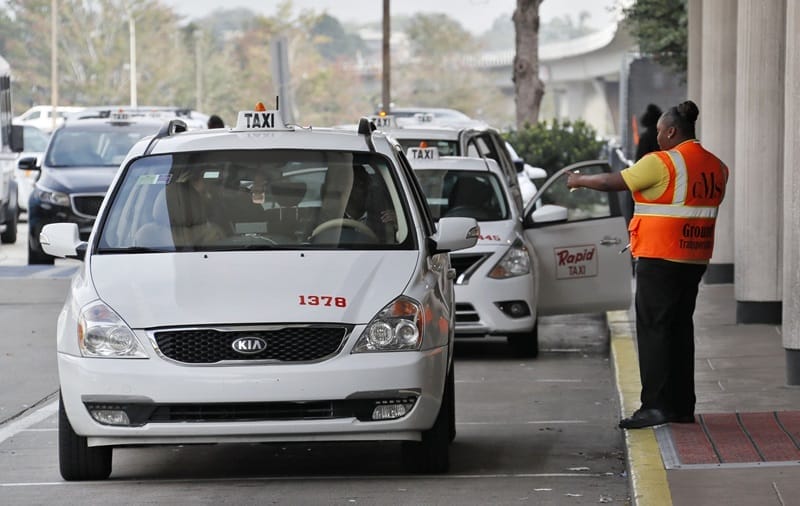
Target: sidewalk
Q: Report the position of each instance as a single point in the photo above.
(745, 447)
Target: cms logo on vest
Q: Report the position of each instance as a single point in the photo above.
(709, 187)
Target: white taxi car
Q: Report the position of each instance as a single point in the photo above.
(496, 289)
(233, 290)
(564, 254)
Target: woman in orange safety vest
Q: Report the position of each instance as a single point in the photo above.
(676, 193)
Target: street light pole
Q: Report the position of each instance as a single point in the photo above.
(53, 61)
(132, 31)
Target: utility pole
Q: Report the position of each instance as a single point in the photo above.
(132, 32)
(198, 69)
(386, 95)
(54, 61)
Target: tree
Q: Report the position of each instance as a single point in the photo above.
(528, 88)
(660, 28)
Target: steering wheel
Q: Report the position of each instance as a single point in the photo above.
(468, 211)
(345, 222)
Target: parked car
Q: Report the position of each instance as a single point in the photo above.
(35, 141)
(460, 138)
(11, 144)
(75, 172)
(225, 297)
(562, 254)
(41, 116)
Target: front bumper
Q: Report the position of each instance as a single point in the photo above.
(479, 312)
(342, 379)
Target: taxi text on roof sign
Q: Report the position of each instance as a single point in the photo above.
(260, 121)
(423, 153)
(384, 121)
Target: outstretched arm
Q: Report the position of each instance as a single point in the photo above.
(612, 182)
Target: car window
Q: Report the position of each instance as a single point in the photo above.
(34, 139)
(258, 199)
(95, 147)
(581, 204)
(468, 194)
(445, 147)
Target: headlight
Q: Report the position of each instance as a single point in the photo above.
(101, 333)
(50, 196)
(516, 262)
(397, 327)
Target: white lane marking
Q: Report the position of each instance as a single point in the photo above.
(530, 422)
(24, 422)
(505, 380)
(314, 478)
(40, 430)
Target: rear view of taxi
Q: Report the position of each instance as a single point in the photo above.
(234, 291)
(496, 286)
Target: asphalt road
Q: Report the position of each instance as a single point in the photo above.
(537, 431)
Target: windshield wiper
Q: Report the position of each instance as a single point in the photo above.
(134, 249)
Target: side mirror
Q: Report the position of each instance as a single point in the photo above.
(456, 233)
(519, 164)
(535, 172)
(17, 139)
(549, 214)
(27, 163)
(62, 240)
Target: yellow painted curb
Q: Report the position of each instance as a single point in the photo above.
(647, 474)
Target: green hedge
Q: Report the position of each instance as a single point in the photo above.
(556, 144)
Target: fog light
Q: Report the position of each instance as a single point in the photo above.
(514, 308)
(110, 416)
(392, 409)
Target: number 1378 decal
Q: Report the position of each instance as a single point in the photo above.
(322, 300)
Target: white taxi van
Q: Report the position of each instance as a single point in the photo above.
(265, 283)
(564, 254)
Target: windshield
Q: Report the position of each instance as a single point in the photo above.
(264, 199)
(463, 193)
(95, 147)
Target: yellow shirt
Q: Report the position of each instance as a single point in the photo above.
(649, 175)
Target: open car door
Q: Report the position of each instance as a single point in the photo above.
(580, 239)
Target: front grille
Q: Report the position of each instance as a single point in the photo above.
(87, 205)
(465, 313)
(283, 344)
(465, 265)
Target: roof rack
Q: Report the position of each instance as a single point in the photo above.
(172, 127)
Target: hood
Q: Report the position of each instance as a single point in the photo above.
(494, 235)
(79, 180)
(251, 287)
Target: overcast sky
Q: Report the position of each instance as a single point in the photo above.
(475, 15)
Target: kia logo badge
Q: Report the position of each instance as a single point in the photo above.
(249, 345)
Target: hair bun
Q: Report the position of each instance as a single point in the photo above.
(689, 111)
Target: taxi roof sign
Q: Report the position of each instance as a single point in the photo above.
(260, 121)
(422, 153)
(384, 120)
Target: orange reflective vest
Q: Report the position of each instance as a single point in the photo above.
(679, 225)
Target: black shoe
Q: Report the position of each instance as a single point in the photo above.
(681, 418)
(642, 418)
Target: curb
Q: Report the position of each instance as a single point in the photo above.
(646, 472)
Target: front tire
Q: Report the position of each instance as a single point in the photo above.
(78, 461)
(525, 344)
(10, 234)
(36, 257)
(432, 454)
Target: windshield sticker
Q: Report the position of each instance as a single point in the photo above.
(576, 261)
(154, 179)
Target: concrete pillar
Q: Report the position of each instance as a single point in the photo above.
(791, 197)
(758, 215)
(717, 117)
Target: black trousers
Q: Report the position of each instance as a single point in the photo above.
(666, 293)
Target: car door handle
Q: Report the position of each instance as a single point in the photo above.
(610, 241)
